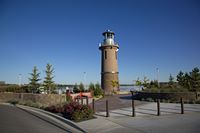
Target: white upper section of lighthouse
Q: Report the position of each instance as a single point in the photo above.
(109, 38)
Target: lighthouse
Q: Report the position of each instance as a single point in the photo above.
(109, 66)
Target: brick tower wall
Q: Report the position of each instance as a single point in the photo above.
(109, 68)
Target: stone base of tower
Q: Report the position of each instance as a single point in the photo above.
(109, 83)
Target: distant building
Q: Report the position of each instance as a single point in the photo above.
(109, 65)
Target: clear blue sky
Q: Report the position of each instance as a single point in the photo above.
(152, 34)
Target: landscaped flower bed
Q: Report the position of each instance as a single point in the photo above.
(73, 111)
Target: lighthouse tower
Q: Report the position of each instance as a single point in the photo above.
(109, 65)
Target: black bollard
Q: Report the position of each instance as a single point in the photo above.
(133, 108)
(158, 107)
(182, 106)
(86, 100)
(81, 100)
(107, 110)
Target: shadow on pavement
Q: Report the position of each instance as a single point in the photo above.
(138, 112)
(119, 113)
(185, 109)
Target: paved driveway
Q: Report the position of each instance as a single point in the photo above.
(15, 120)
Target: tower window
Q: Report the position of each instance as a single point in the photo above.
(109, 35)
(105, 54)
(116, 55)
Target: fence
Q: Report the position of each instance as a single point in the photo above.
(187, 96)
(44, 99)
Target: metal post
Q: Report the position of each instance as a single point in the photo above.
(107, 110)
(81, 100)
(182, 106)
(158, 107)
(133, 108)
(86, 100)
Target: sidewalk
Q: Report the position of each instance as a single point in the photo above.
(146, 120)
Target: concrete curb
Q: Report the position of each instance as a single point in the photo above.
(60, 120)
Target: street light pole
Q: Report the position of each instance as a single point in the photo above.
(84, 79)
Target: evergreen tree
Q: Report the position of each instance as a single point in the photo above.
(48, 82)
(187, 81)
(180, 78)
(91, 87)
(171, 80)
(97, 86)
(81, 87)
(34, 85)
(153, 84)
(195, 79)
(98, 91)
(145, 81)
(138, 82)
(76, 89)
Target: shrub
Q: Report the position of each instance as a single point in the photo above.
(82, 114)
(14, 102)
(70, 108)
(77, 112)
(197, 101)
(77, 115)
(76, 89)
(68, 98)
(192, 102)
(28, 103)
(87, 111)
(72, 111)
(55, 109)
(96, 90)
